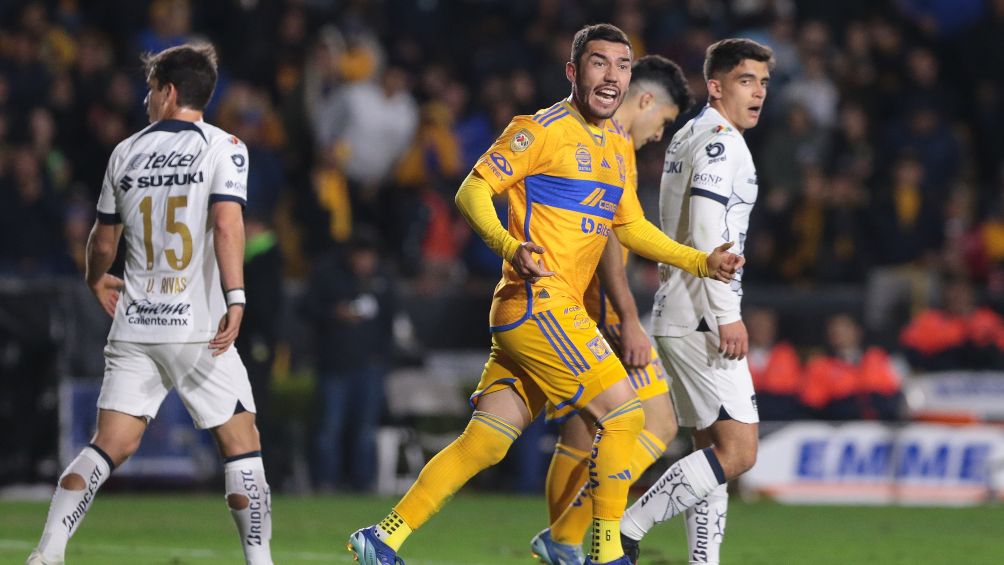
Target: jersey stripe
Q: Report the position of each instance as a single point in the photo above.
(548, 121)
(109, 219)
(723, 200)
(568, 194)
(561, 355)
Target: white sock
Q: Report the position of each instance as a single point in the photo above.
(245, 476)
(682, 485)
(68, 507)
(706, 526)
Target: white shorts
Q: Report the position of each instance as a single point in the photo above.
(704, 381)
(139, 375)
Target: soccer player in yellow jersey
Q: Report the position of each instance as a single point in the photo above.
(566, 172)
(657, 95)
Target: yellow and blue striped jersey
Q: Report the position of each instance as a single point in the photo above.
(568, 183)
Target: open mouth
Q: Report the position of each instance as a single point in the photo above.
(754, 111)
(607, 95)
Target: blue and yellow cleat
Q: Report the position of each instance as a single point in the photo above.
(551, 552)
(369, 550)
(622, 560)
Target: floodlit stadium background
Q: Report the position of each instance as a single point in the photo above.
(879, 158)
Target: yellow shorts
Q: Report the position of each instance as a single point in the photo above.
(648, 382)
(556, 356)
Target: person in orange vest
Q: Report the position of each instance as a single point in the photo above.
(851, 382)
(961, 335)
(776, 369)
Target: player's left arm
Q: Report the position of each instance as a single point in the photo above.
(227, 198)
(635, 346)
(102, 246)
(103, 241)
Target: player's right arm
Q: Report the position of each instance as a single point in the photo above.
(635, 345)
(513, 156)
(715, 167)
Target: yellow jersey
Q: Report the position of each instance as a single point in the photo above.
(568, 183)
(598, 306)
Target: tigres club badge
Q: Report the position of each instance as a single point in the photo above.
(521, 141)
(598, 346)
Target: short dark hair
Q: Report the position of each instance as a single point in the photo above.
(602, 32)
(727, 54)
(665, 74)
(190, 68)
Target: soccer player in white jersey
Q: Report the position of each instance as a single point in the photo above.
(176, 190)
(708, 189)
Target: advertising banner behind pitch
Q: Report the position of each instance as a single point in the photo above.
(874, 463)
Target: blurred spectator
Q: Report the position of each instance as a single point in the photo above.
(31, 218)
(850, 382)
(960, 335)
(170, 25)
(908, 230)
(776, 369)
(790, 149)
(815, 91)
(351, 304)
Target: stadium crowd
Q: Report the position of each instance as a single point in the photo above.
(880, 151)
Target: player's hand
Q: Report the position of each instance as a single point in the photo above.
(722, 265)
(526, 267)
(226, 334)
(636, 349)
(107, 291)
(735, 342)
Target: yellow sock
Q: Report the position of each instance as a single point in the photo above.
(605, 545)
(483, 444)
(647, 451)
(394, 530)
(565, 477)
(571, 526)
(610, 476)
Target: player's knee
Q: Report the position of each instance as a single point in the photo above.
(72, 481)
(237, 501)
(665, 430)
(632, 421)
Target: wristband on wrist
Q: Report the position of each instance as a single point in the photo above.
(235, 297)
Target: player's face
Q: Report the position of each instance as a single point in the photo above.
(600, 79)
(652, 120)
(741, 93)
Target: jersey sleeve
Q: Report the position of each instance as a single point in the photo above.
(629, 209)
(715, 168)
(229, 172)
(517, 153)
(107, 209)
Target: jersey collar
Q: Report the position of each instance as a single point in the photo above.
(175, 126)
(599, 139)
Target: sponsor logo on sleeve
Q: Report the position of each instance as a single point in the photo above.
(706, 179)
(715, 150)
(521, 141)
(621, 167)
(501, 163)
(674, 167)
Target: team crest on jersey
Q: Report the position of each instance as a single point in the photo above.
(521, 141)
(599, 347)
(722, 129)
(584, 158)
(621, 168)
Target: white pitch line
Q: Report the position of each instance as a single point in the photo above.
(195, 553)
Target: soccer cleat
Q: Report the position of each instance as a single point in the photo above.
(36, 559)
(551, 552)
(622, 560)
(369, 550)
(630, 548)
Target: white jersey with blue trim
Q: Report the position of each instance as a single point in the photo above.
(708, 189)
(159, 184)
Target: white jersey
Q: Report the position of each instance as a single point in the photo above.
(708, 190)
(160, 183)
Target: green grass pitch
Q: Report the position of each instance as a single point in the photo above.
(479, 529)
